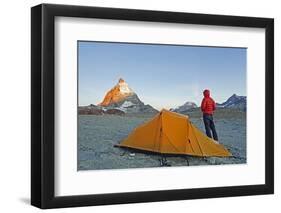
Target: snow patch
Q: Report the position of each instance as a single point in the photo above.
(124, 88)
(127, 104)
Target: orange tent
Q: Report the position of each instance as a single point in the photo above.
(173, 133)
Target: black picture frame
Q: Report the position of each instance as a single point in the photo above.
(43, 102)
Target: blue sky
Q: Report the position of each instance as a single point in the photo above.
(163, 76)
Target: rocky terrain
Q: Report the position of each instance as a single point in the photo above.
(98, 135)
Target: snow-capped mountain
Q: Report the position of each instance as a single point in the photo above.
(235, 102)
(185, 107)
(122, 97)
(118, 93)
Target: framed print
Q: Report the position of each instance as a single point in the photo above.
(139, 106)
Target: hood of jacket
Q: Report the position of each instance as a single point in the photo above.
(206, 93)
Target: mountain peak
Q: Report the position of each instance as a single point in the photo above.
(236, 97)
(185, 107)
(235, 101)
(124, 87)
(121, 80)
(118, 93)
(122, 98)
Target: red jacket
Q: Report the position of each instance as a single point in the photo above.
(208, 105)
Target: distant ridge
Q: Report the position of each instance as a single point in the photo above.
(121, 99)
(235, 102)
(185, 107)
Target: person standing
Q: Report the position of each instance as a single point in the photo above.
(208, 106)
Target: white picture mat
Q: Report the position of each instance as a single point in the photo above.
(68, 181)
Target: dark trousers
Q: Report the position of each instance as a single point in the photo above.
(210, 126)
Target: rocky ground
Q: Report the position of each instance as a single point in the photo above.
(99, 133)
